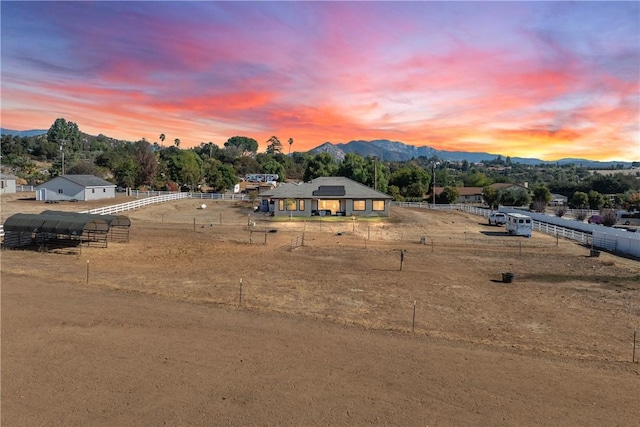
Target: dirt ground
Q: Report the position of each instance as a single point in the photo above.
(221, 316)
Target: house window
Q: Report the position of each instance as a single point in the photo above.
(301, 205)
(378, 205)
(93, 190)
(332, 206)
(359, 205)
(280, 205)
(60, 191)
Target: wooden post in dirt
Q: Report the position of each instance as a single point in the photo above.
(368, 233)
(557, 239)
(520, 248)
(240, 294)
(265, 237)
(402, 251)
(413, 322)
(635, 334)
(432, 245)
(194, 223)
(88, 281)
(353, 222)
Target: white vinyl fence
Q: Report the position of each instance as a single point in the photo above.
(598, 236)
(135, 204)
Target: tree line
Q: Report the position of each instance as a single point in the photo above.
(211, 167)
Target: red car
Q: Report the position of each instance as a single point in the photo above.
(595, 219)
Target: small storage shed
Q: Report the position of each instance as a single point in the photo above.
(76, 187)
(7, 183)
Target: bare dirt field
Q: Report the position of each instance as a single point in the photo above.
(211, 317)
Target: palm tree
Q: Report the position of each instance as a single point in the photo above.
(177, 142)
(162, 137)
(290, 144)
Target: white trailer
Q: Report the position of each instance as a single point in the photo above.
(519, 224)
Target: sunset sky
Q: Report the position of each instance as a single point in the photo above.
(530, 79)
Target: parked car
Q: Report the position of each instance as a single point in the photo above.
(497, 218)
(595, 219)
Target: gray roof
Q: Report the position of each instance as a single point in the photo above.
(7, 176)
(86, 180)
(334, 187)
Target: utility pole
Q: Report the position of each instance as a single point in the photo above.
(62, 152)
(434, 181)
(375, 175)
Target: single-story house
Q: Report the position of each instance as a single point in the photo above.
(75, 187)
(7, 183)
(465, 194)
(559, 200)
(325, 196)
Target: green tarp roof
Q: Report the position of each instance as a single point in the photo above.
(56, 224)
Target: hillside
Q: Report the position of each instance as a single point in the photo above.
(386, 150)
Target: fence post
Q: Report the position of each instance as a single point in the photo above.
(413, 322)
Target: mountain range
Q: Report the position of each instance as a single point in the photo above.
(386, 150)
(21, 133)
(393, 151)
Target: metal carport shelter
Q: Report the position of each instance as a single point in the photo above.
(54, 231)
(119, 225)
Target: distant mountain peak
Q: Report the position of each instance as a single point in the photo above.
(386, 150)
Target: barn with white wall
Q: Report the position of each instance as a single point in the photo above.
(75, 187)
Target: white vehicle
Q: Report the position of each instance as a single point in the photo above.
(497, 218)
(627, 218)
(519, 225)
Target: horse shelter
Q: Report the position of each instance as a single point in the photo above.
(61, 230)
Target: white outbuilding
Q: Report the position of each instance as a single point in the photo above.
(75, 187)
(7, 183)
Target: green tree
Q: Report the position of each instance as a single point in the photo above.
(514, 197)
(355, 167)
(491, 196)
(412, 180)
(274, 145)
(273, 167)
(177, 142)
(580, 200)
(541, 194)
(243, 144)
(290, 141)
(245, 165)
(162, 137)
(449, 195)
(596, 200)
(475, 179)
(321, 164)
(64, 133)
(394, 192)
(147, 161)
(219, 176)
